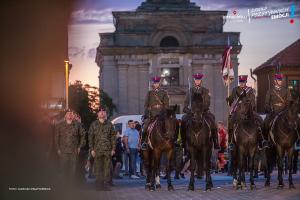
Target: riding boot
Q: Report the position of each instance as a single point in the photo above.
(144, 135)
(230, 139)
(143, 140)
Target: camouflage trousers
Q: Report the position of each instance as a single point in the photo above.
(102, 167)
(67, 165)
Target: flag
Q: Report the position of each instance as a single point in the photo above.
(227, 67)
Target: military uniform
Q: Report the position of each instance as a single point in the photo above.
(157, 100)
(204, 92)
(68, 138)
(277, 100)
(102, 141)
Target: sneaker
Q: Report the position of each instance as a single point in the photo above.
(134, 177)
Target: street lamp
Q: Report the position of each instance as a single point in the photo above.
(67, 83)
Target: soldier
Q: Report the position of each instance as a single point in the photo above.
(157, 100)
(239, 93)
(102, 147)
(69, 138)
(277, 100)
(198, 88)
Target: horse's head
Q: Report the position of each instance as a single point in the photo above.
(244, 109)
(197, 103)
(292, 114)
(170, 122)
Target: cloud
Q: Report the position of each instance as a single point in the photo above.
(92, 16)
(77, 51)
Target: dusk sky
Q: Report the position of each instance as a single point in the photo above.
(261, 39)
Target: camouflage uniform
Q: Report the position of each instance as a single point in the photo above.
(102, 141)
(68, 138)
(277, 100)
(156, 102)
(206, 103)
(239, 92)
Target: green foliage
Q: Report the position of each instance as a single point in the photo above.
(84, 99)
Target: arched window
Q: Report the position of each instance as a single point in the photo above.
(169, 41)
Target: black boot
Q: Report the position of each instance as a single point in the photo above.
(143, 139)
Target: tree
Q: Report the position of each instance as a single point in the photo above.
(79, 102)
(84, 99)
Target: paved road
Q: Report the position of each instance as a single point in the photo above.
(134, 189)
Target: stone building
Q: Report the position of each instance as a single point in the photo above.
(174, 39)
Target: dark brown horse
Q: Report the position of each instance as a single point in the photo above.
(199, 141)
(246, 139)
(161, 134)
(284, 133)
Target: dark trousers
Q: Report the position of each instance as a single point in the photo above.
(132, 159)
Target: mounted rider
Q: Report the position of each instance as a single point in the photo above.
(199, 89)
(242, 93)
(156, 102)
(277, 99)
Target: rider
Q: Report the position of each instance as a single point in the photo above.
(198, 88)
(156, 102)
(277, 99)
(240, 93)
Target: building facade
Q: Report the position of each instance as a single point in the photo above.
(173, 39)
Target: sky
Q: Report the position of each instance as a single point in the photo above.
(261, 38)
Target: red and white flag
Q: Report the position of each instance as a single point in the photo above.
(227, 67)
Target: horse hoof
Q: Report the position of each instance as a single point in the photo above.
(252, 186)
(243, 186)
(291, 186)
(267, 184)
(235, 183)
(147, 187)
(238, 187)
(280, 186)
(191, 188)
(170, 188)
(208, 188)
(158, 186)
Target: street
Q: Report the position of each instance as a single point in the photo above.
(134, 189)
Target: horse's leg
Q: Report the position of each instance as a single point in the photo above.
(268, 167)
(146, 163)
(207, 166)
(280, 154)
(234, 161)
(169, 160)
(290, 165)
(251, 168)
(241, 164)
(157, 156)
(192, 168)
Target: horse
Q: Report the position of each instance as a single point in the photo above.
(246, 142)
(283, 134)
(160, 138)
(199, 141)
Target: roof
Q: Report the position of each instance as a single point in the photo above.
(288, 57)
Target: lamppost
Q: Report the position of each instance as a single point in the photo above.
(67, 82)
